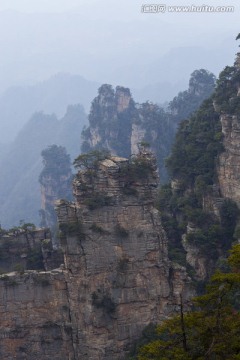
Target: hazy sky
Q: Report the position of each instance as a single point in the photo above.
(124, 9)
(109, 40)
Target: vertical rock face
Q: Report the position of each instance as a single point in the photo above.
(119, 124)
(21, 248)
(55, 180)
(51, 190)
(137, 136)
(27, 248)
(35, 322)
(205, 166)
(229, 164)
(119, 275)
(228, 167)
(110, 119)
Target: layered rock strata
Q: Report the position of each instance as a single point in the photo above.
(116, 279)
(120, 278)
(28, 248)
(229, 164)
(228, 167)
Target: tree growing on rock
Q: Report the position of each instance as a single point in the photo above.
(211, 331)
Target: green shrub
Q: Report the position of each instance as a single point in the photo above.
(120, 231)
(97, 229)
(97, 201)
(19, 268)
(104, 301)
(9, 281)
(71, 228)
(128, 190)
(177, 255)
(138, 167)
(91, 160)
(35, 260)
(123, 264)
(41, 281)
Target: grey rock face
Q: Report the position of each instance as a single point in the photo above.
(116, 277)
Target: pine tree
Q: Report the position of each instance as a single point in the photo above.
(212, 331)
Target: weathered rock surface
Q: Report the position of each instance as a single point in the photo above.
(116, 280)
(55, 180)
(228, 167)
(110, 119)
(35, 321)
(119, 124)
(229, 164)
(120, 278)
(25, 248)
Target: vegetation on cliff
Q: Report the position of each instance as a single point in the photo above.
(192, 168)
(114, 114)
(196, 146)
(55, 179)
(201, 87)
(56, 163)
(110, 120)
(210, 331)
(20, 248)
(90, 160)
(226, 98)
(21, 163)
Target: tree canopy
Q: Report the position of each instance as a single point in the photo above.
(211, 331)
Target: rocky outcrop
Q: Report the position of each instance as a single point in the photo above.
(202, 265)
(55, 180)
(229, 161)
(228, 165)
(51, 190)
(116, 255)
(116, 278)
(35, 320)
(27, 247)
(110, 119)
(119, 124)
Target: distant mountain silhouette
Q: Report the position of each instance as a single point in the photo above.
(17, 104)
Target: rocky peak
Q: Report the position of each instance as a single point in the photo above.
(110, 121)
(115, 179)
(116, 278)
(116, 254)
(123, 97)
(237, 61)
(117, 123)
(201, 82)
(55, 180)
(228, 166)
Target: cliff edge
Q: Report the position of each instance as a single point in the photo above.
(116, 278)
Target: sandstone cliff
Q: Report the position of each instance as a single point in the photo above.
(229, 161)
(117, 276)
(26, 247)
(110, 119)
(118, 262)
(118, 124)
(55, 181)
(205, 190)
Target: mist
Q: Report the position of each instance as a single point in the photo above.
(55, 54)
(108, 41)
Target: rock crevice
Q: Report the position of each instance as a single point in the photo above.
(116, 278)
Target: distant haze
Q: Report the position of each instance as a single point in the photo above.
(111, 42)
(58, 52)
